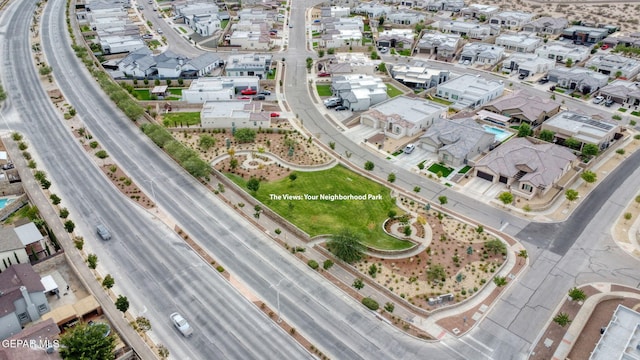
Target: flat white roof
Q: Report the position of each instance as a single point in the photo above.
(621, 339)
(28, 233)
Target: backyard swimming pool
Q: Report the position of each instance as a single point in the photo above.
(4, 202)
(501, 135)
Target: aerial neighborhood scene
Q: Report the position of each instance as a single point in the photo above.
(338, 179)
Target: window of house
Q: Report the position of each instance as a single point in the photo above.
(42, 308)
(454, 97)
(527, 187)
(251, 73)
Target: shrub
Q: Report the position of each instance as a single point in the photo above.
(55, 199)
(22, 146)
(64, 213)
(108, 281)
(389, 307)
(327, 264)
(369, 165)
(391, 177)
(78, 242)
(370, 303)
(313, 264)
(278, 231)
(93, 144)
(92, 260)
(101, 154)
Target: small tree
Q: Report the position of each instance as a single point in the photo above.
(443, 200)
(69, 226)
(358, 284)
(628, 216)
(253, 184)
(122, 303)
(245, 135)
(569, 62)
(391, 177)
(85, 342)
(369, 165)
(524, 130)
(589, 176)
(416, 189)
(55, 199)
(571, 195)
(590, 150)
(108, 281)
(64, 213)
(506, 197)
(293, 176)
(346, 246)
(327, 264)
(547, 135)
(577, 294)
(562, 319)
(206, 142)
(92, 260)
(637, 200)
(572, 143)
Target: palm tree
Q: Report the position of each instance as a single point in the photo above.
(523, 254)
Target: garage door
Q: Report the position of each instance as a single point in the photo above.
(428, 147)
(484, 175)
(368, 122)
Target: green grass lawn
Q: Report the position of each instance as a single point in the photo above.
(316, 217)
(142, 94)
(439, 100)
(392, 91)
(184, 118)
(465, 170)
(271, 75)
(223, 24)
(405, 52)
(182, 29)
(324, 90)
(636, 113)
(436, 168)
(622, 109)
(176, 91)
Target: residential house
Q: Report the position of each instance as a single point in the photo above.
(546, 25)
(443, 46)
(23, 299)
(143, 64)
(615, 66)
(358, 92)
(120, 44)
(480, 11)
(561, 52)
(339, 11)
(350, 23)
(403, 116)
(405, 17)
(396, 38)
(522, 107)
(445, 5)
(419, 75)
(527, 64)
(234, 114)
(513, 20)
(585, 129)
(521, 43)
(619, 340)
(622, 92)
(350, 63)
(204, 25)
(468, 29)
(202, 65)
(456, 141)
(481, 53)
(469, 91)
(206, 89)
(372, 10)
(196, 8)
(581, 79)
(169, 65)
(340, 38)
(12, 250)
(255, 15)
(526, 167)
(585, 34)
(628, 40)
(253, 64)
(138, 64)
(250, 35)
(44, 334)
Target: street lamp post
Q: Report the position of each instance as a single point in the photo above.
(276, 286)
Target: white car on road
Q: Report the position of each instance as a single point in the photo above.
(181, 324)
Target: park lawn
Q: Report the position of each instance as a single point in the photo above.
(181, 119)
(436, 168)
(324, 90)
(142, 94)
(317, 217)
(392, 91)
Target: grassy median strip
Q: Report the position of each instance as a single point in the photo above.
(322, 216)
